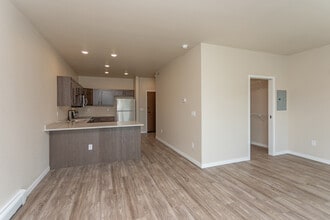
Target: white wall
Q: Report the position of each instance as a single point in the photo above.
(180, 79)
(309, 102)
(106, 82)
(225, 100)
(145, 84)
(29, 67)
(259, 112)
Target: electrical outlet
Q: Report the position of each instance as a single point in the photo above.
(90, 147)
(193, 113)
(192, 145)
(161, 131)
(314, 143)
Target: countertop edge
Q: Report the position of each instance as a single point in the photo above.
(92, 127)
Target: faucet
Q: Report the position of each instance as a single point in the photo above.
(72, 114)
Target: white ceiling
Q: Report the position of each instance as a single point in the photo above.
(147, 34)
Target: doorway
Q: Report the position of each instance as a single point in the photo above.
(151, 111)
(261, 107)
(259, 117)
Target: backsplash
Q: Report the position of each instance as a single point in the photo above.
(62, 113)
(88, 111)
(96, 111)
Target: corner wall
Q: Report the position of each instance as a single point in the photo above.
(175, 125)
(224, 91)
(309, 103)
(29, 66)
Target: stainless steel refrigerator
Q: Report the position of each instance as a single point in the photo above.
(125, 107)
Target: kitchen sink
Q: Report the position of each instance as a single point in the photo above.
(79, 120)
(101, 119)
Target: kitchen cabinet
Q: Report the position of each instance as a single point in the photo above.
(89, 96)
(97, 97)
(68, 148)
(128, 93)
(108, 97)
(69, 92)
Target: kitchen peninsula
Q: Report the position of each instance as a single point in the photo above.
(81, 143)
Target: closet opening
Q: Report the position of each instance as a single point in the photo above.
(261, 116)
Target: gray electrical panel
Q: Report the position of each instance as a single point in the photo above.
(281, 100)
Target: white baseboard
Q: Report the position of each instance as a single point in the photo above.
(281, 153)
(197, 163)
(143, 132)
(224, 162)
(37, 181)
(259, 144)
(13, 205)
(310, 157)
(219, 163)
(9, 209)
(306, 156)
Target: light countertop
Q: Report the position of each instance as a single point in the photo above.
(82, 124)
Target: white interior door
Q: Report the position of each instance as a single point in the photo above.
(271, 117)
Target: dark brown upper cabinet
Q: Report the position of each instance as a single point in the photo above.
(102, 97)
(89, 96)
(69, 92)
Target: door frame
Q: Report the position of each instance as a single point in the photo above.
(271, 112)
(147, 107)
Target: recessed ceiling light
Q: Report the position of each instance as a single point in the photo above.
(106, 72)
(126, 73)
(84, 52)
(185, 46)
(107, 65)
(114, 55)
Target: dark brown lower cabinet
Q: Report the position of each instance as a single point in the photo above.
(71, 147)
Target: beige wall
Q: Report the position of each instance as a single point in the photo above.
(106, 82)
(309, 102)
(259, 112)
(180, 79)
(225, 100)
(29, 67)
(145, 84)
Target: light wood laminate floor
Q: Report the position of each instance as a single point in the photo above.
(163, 185)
